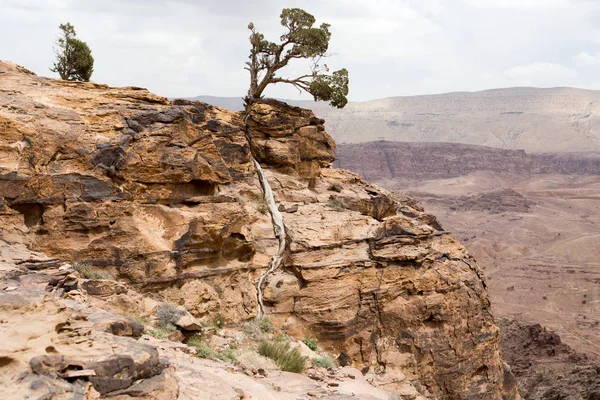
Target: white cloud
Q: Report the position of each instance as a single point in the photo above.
(539, 4)
(585, 59)
(540, 73)
(390, 47)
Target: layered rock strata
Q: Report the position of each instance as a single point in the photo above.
(162, 195)
(384, 160)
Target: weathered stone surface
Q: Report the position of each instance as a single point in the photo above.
(401, 161)
(123, 180)
(162, 195)
(103, 287)
(188, 323)
(52, 343)
(286, 136)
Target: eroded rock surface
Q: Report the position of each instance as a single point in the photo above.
(162, 196)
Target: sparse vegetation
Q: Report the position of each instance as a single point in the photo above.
(265, 325)
(252, 360)
(161, 332)
(286, 358)
(227, 355)
(301, 40)
(88, 272)
(324, 362)
(74, 61)
(218, 321)
(336, 205)
(311, 343)
(168, 315)
(335, 187)
(204, 351)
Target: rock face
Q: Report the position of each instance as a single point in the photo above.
(424, 161)
(285, 136)
(162, 196)
(545, 367)
(537, 120)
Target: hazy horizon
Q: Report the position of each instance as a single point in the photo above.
(392, 48)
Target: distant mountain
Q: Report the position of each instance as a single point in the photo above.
(536, 120)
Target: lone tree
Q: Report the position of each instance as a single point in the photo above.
(74, 61)
(301, 40)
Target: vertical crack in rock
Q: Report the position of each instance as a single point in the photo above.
(276, 220)
(278, 229)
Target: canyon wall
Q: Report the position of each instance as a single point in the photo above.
(162, 196)
(426, 161)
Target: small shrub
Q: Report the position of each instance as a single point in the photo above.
(336, 187)
(265, 325)
(253, 330)
(88, 272)
(311, 343)
(218, 321)
(194, 341)
(226, 355)
(252, 360)
(168, 315)
(336, 205)
(287, 359)
(160, 333)
(324, 362)
(203, 351)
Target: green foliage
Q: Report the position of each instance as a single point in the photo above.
(88, 272)
(218, 321)
(227, 355)
(287, 359)
(336, 187)
(336, 205)
(74, 61)
(168, 315)
(265, 325)
(204, 351)
(301, 40)
(324, 362)
(160, 333)
(194, 341)
(311, 343)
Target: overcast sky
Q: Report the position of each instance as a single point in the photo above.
(391, 47)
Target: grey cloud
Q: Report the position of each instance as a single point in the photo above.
(391, 47)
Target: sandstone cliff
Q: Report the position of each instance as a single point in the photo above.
(163, 196)
(383, 160)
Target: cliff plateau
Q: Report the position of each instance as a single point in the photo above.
(163, 196)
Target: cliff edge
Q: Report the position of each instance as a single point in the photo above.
(163, 196)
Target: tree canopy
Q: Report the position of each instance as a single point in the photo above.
(301, 40)
(74, 61)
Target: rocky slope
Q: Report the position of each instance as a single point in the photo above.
(532, 119)
(531, 220)
(163, 197)
(545, 367)
(404, 161)
(72, 343)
